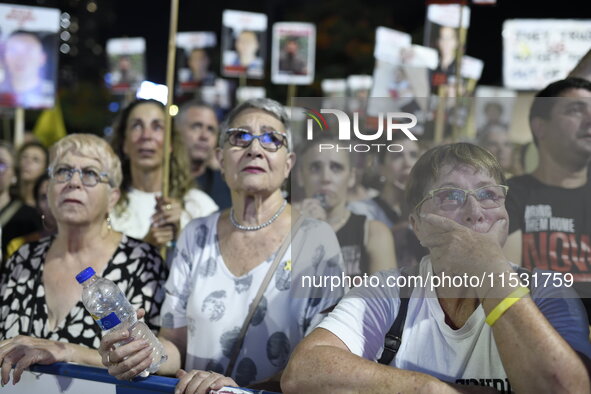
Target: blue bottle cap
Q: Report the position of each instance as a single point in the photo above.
(85, 275)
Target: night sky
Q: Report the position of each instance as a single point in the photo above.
(150, 19)
(135, 18)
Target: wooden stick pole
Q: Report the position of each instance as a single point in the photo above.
(19, 126)
(174, 11)
(459, 53)
(440, 114)
(291, 92)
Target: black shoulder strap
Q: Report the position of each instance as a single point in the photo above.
(393, 338)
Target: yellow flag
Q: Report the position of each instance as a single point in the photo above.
(50, 126)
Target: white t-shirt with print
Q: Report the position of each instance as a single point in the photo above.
(136, 219)
(468, 355)
(203, 295)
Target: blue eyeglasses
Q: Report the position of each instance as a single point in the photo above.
(271, 141)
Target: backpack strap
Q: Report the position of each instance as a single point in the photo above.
(393, 338)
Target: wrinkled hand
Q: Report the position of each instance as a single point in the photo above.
(126, 361)
(456, 249)
(312, 208)
(201, 382)
(23, 351)
(166, 222)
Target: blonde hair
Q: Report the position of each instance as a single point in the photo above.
(91, 146)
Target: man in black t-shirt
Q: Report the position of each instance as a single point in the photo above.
(550, 209)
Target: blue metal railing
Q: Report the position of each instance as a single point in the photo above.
(151, 384)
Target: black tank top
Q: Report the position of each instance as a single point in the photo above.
(351, 238)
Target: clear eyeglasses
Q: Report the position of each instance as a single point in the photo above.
(88, 176)
(452, 198)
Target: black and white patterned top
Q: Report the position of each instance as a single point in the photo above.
(203, 295)
(136, 267)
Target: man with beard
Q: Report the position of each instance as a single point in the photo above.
(550, 209)
(198, 125)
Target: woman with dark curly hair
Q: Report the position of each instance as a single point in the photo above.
(142, 212)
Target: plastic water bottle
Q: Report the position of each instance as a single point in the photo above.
(110, 309)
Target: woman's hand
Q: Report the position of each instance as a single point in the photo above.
(127, 361)
(166, 222)
(200, 382)
(23, 351)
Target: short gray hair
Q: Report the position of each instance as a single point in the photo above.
(272, 107)
(91, 146)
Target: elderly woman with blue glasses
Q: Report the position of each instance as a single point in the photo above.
(222, 262)
(42, 318)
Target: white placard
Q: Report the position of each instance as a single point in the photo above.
(194, 64)
(472, 67)
(29, 44)
(250, 92)
(359, 82)
(419, 56)
(196, 39)
(537, 52)
(293, 54)
(334, 87)
(448, 15)
(126, 63)
(388, 42)
(244, 40)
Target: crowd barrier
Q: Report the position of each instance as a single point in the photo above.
(64, 378)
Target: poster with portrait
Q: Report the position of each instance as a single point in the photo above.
(29, 47)
(126, 63)
(219, 96)
(194, 61)
(244, 93)
(244, 43)
(403, 77)
(387, 43)
(493, 109)
(293, 53)
(445, 28)
(537, 52)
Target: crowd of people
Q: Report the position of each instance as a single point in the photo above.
(228, 299)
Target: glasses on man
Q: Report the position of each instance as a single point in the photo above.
(88, 176)
(452, 198)
(270, 140)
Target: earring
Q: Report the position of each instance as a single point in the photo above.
(109, 227)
